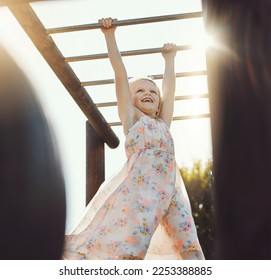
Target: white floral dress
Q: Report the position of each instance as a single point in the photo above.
(143, 211)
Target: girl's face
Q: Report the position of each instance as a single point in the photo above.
(145, 96)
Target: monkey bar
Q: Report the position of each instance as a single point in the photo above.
(98, 131)
(125, 22)
(124, 53)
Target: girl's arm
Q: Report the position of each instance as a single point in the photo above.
(125, 106)
(168, 84)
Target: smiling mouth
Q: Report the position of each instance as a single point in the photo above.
(147, 100)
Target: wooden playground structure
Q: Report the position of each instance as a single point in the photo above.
(98, 130)
(239, 93)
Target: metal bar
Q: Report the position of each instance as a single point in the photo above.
(182, 74)
(124, 22)
(107, 104)
(123, 53)
(177, 118)
(46, 46)
(177, 98)
(155, 77)
(191, 117)
(190, 97)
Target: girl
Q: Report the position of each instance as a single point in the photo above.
(147, 195)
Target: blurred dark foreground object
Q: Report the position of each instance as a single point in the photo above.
(32, 190)
(239, 77)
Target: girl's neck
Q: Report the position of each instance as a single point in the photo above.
(139, 113)
(150, 116)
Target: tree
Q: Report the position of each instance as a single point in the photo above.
(199, 181)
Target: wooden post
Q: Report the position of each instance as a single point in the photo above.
(14, 2)
(95, 171)
(239, 75)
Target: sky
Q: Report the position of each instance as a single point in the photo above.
(192, 137)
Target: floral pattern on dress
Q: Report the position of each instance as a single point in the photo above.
(124, 225)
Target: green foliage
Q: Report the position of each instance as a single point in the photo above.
(199, 182)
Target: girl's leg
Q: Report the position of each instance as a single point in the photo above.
(192, 255)
(179, 225)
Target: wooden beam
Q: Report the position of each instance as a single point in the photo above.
(125, 22)
(46, 46)
(15, 2)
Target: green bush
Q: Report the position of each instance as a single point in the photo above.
(199, 181)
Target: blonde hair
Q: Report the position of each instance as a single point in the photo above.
(150, 79)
